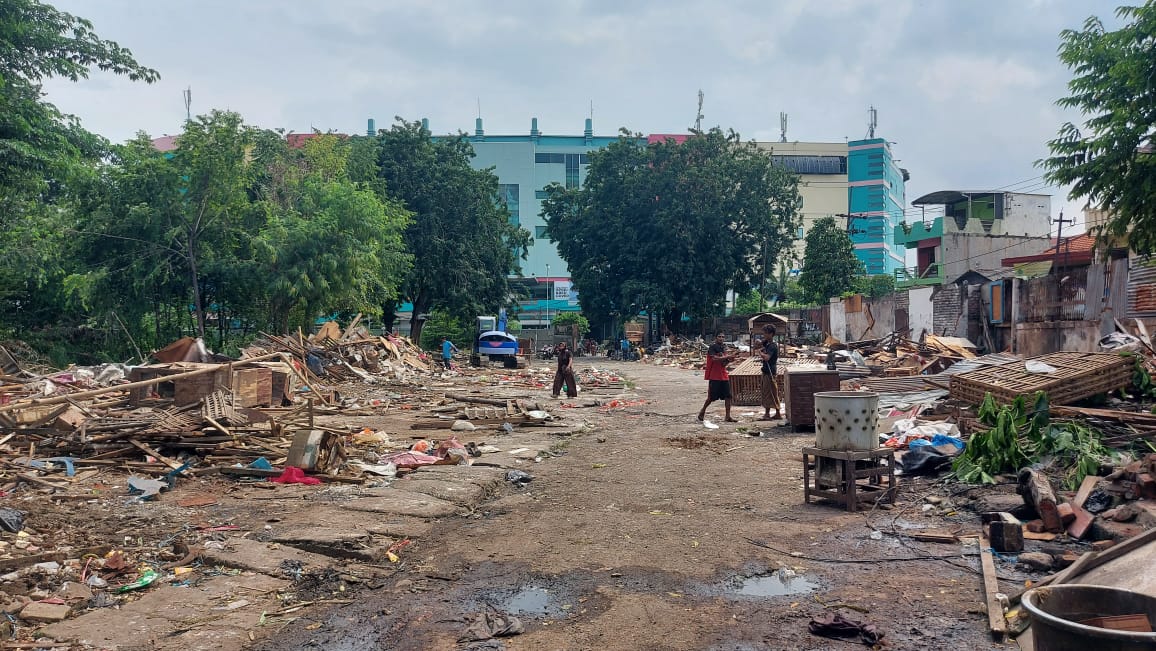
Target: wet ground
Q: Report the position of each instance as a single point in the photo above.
(651, 532)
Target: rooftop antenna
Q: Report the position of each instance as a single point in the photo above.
(479, 107)
(782, 127)
(872, 122)
(188, 96)
(699, 116)
(591, 109)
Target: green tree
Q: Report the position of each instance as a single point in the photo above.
(749, 302)
(327, 244)
(42, 152)
(463, 245)
(573, 318)
(1111, 162)
(671, 227)
(829, 262)
(38, 144)
(875, 286)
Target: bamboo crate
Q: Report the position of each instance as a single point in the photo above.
(1077, 376)
(747, 383)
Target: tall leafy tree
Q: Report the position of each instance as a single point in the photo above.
(1111, 162)
(670, 227)
(461, 240)
(38, 144)
(327, 243)
(830, 266)
(42, 151)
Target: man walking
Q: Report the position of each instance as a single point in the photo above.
(565, 373)
(448, 350)
(770, 388)
(718, 380)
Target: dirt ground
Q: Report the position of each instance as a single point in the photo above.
(649, 531)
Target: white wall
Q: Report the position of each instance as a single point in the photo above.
(838, 319)
(921, 313)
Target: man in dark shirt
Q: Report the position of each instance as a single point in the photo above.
(565, 372)
(770, 388)
(718, 380)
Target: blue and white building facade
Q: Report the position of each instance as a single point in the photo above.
(875, 201)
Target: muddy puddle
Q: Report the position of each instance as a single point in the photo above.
(773, 584)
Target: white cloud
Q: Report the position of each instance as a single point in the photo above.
(971, 78)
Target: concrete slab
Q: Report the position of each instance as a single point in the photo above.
(335, 517)
(401, 502)
(266, 558)
(483, 476)
(1121, 572)
(202, 618)
(463, 494)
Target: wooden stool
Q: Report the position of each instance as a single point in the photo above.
(859, 476)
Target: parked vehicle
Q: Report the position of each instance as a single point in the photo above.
(494, 342)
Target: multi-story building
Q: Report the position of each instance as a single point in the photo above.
(876, 195)
(822, 170)
(525, 164)
(857, 183)
(977, 230)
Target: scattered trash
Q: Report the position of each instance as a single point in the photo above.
(491, 624)
(519, 478)
(295, 475)
(834, 625)
(11, 520)
(147, 578)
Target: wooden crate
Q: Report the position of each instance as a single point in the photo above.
(253, 387)
(1077, 376)
(747, 383)
(801, 385)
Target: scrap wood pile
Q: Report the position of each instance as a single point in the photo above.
(678, 351)
(896, 356)
(466, 413)
(350, 354)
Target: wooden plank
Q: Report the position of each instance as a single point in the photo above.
(995, 617)
(1086, 488)
(123, 387)
(175, 465)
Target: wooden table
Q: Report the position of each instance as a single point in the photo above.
(860, 476)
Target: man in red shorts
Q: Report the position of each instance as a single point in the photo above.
(718, 380)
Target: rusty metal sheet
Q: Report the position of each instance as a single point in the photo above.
(1096, 293)
(1142, 291)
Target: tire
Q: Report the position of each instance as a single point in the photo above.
(509, 361)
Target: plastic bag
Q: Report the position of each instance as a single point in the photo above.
(924, 460)
(11, 520)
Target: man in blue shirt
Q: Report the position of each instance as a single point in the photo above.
(448, 350)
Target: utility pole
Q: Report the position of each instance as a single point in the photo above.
(699, 115)
(872, 122)
(782, 127)
(1060, 235)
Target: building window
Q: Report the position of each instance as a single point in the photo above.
(572, 162)
(508, 196)
(541, 194)
(799, 233)
(540, 232)
(813, 164)
(549, 158)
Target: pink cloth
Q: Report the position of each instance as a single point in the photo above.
(294, 475)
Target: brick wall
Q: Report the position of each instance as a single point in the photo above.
(948, 304)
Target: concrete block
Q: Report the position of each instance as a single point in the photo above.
(38, 611)
(1005, 537)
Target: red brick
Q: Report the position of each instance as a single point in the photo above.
(1067, 515)
(1035, 526)
(1079, 528)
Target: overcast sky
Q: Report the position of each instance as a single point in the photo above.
(965, 89)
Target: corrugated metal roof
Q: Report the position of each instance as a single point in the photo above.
(1142, 291)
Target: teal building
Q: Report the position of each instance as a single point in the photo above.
(875, 201)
